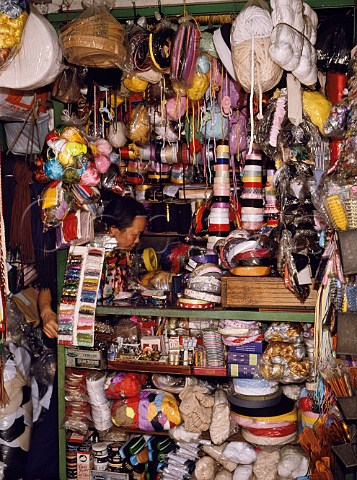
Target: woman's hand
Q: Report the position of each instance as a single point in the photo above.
(50, 325)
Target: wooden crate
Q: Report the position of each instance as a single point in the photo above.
(261, 292)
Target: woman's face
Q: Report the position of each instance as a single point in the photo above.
(129, 236)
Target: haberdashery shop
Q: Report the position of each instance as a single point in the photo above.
(178, 232)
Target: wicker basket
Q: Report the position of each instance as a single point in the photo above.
(336, 212)
(94, 41)
(351, 212)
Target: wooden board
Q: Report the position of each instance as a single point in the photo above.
(261, 292)
(148, 367)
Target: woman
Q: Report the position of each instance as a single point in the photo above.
(125, 221)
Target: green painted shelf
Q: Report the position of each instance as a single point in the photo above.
(304, 316)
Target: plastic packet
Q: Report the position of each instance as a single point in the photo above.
(336, 123)
(185, 52)
(77, 417)
(216, 452)
(243, 472)
(293, 462)
(240, 452)
(317, 107)
(284, 332)
(94, 39)
(122, 384)
(13, 20)
(56, 202)
(293, 372)
(205, 469)
(283, 352)
(139, 125)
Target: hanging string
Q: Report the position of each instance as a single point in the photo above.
(251, 100)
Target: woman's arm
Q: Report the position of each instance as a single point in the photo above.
(49, 317)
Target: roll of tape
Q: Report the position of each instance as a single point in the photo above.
(208, 297)
(207, 269)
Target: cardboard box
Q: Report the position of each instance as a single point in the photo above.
(252, 347)
(241, 371)
(85, 358)
(243, 358)
(84, 462)
(109, 476)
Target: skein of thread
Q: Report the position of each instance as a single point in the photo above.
(254, 22)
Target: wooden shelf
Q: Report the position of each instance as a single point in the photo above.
(204, 435)
(149, 367)
(303, 316)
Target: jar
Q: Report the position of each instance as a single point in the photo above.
(100, 454)
(114, 457)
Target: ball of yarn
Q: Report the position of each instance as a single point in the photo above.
(90, 177)
(135, 84)
(102, 163)
(267, 74)
(103, 147)
(175, 108)
(53, 169)
(199, 86)
(254, 22)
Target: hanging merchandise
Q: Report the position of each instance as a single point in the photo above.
(39, 60)
(250, 40)
(79, 297)
(293, 39)
(13, 18)
(67, 86)
(184, 54)
(95, 39)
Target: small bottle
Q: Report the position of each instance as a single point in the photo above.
(111, 353)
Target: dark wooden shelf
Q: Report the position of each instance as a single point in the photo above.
(149, 367)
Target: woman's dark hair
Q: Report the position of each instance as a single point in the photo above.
(121, 211)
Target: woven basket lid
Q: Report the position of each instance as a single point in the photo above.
(39, 60)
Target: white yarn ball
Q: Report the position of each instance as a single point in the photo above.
(252, 21)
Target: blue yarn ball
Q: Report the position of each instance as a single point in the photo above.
(53, 169)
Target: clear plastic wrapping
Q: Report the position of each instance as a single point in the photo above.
(94, 39)
(13, 21)
(284, 332)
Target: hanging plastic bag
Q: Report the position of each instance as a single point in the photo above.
(67, 86)
(95, 39)
(185, 51)
(12, 25)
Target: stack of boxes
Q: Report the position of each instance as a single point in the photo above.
(243, 360)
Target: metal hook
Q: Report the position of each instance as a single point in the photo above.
(134, 10)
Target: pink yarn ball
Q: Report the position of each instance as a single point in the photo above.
(102, 163)
(90, 177)
(175, 108)
(103, 146)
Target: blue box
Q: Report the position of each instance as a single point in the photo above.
(241, 371)
(243, 358)
(252, 347)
